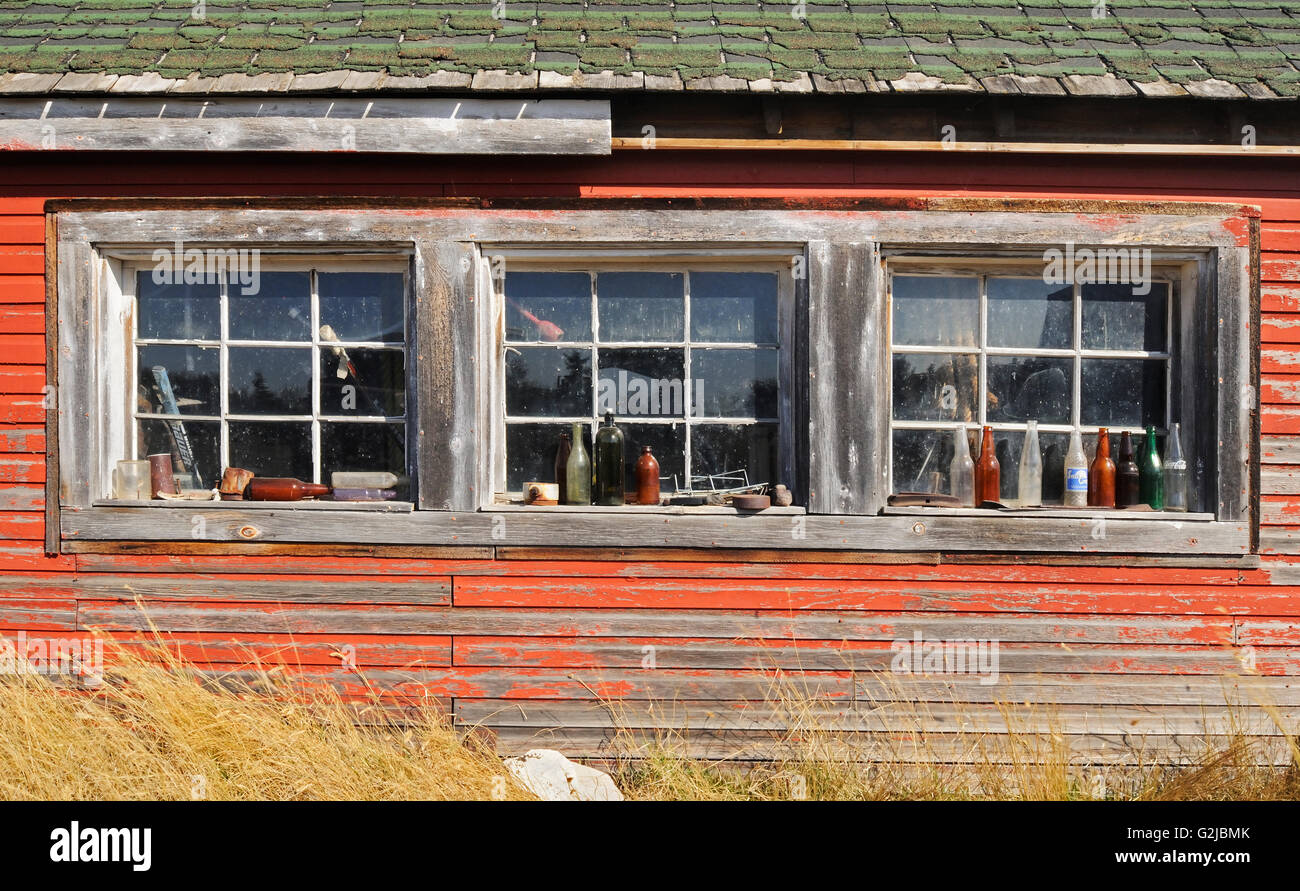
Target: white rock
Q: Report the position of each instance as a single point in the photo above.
(552, 777)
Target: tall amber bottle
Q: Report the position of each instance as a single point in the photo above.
(1127, 485)
(988, 473)
(647, 478)
(562, 467)
(1101, 475)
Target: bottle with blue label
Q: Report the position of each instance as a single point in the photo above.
(1076, 473)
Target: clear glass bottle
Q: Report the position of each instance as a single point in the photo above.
(961, 472)
(578, 472)
(1030, 490)
(1076, 472)
(1175, 472)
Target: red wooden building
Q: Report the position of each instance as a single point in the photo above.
(822, 244)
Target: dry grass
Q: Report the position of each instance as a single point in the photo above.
(1027, 759)
(156, 730)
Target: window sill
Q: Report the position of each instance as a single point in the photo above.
(1091, 513)
(642, 509)
(932, 529)
(389, 507)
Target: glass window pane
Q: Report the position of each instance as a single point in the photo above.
(668, 445)
(548, 381)
(733, 307)
(187, 376)
(201, 440)
(1116, 318)
(641, 306)
(373, 382)
(269, 381)
(642, 382)
(364, 447)
(921, 459)
(280, 310)
(548, 306)
(930, 310)
(272, 448)
(1123, 392)
(177, 312)
(530, 453)
(1024, 312)
(365, 306)
(1030, 388)
(728, 449)
(735, 383)
(935, 387)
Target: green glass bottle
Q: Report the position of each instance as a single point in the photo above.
(610, 467)
(1151, 478)
(577, 488)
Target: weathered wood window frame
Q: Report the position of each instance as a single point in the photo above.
(840, 407)
(497, 260)
(122, 269)
(1175, 272)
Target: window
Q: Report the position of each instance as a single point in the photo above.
(297, 369)
(687, 358)
(834, 350)
(1002, 348)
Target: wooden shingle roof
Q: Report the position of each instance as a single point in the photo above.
(1211, 48)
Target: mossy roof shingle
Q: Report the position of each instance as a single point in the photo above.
(1154, 47)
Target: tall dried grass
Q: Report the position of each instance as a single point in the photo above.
(158, 729)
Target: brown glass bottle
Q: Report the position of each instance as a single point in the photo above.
(1101, 475)
(988, 473)
(277, 488)
(562, 467)
(647, 478)
(1127, 488)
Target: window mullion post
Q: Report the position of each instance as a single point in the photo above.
(688, 383)
(1076, 396)
(314, 282)
(223, 379)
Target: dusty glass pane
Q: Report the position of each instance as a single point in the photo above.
(1123, 392)
(921, 459)
(177, 312)
(735, 383)
(1024, 312)
(191, 373)
(202, 438)
(548, 381)
(1024, 388)
(530, 453)
(642, 382)
(668, 445)
(641, 306)
(365, 306)
(729, 307)
(280, 310)
(935, 387)
(548, 306)
(931, 310)
(272, 448)
(1115, 318)
(719, 449)
(364, 447)
(269, 381)
(373, 382)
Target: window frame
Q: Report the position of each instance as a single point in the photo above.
(124, 268)
(595, 259)
(1170, 268)
(839, 356)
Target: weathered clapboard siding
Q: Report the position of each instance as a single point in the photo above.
(1122, 650)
